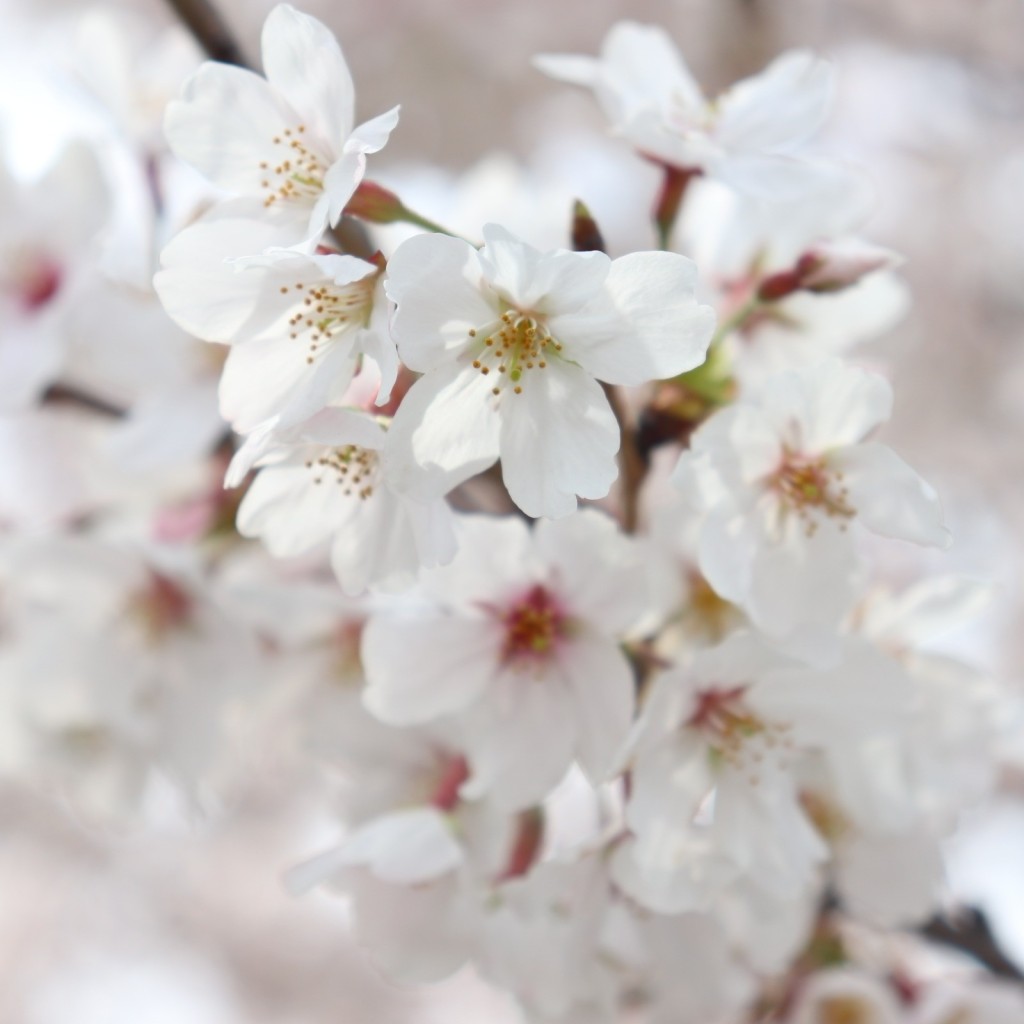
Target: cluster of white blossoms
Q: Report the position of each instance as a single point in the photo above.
(576, 587)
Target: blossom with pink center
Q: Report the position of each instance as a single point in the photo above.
(781, 478)
(717, 754)
(520, 642)
(45, 230)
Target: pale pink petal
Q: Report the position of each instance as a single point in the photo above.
(890, 498)
(420, 669)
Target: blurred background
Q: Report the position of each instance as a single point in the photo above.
(185, 919)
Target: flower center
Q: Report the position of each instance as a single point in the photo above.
(844, 1010)
(806, 484)
(533, 626)
(163, 606)
(353, 468)
(512, 347)
(33, 279)
(735, 734)
(298, 173)
(324, 310)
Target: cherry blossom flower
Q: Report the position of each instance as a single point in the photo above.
(148, 663)
(791, 281)
(522, 640)
(782, 476)
(287, 141)
(745, 137)
(512, 342)
(298, 324)
(329, 481)
(734, 725)
(45, 230)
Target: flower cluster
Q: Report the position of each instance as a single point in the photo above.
(576, 588)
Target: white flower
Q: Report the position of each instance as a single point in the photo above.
(287, 140)
(146, 668)
(329, 481)
(744, 137)
(45, 229)
(714, 780)
(512, 342)
(297, 323)
(780, 478)
(523, 642)
(790, 277)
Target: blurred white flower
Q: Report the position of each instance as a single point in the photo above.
(745, 137)
(522, 639)
(782, 475)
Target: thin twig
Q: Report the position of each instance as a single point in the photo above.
(204, 21)
(632, 466)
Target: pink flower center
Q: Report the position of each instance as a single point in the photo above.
(534, 624)
(806, 484)
(722, 715)
(35, 282)
(736, 735)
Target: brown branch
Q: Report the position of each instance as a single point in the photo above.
(968, 931)
(632, 465)
(210, 30)
(64, 395)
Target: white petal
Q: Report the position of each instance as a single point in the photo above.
(597, 567)
(779, 107)
(647, 327)
(289, 512)
(445, 431)
(890, 498)
(437, 284)
(405, 848)
(225, 125)
(833, 404)
(521, 738)
(603, 689)
(303, 62)
(558, 440)
(372, 136)
(890, 881)
(420, 669)
(272, 377)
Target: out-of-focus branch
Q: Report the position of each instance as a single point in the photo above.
(204, 21)
(968, 931)
(632, 466)
(61, 394)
